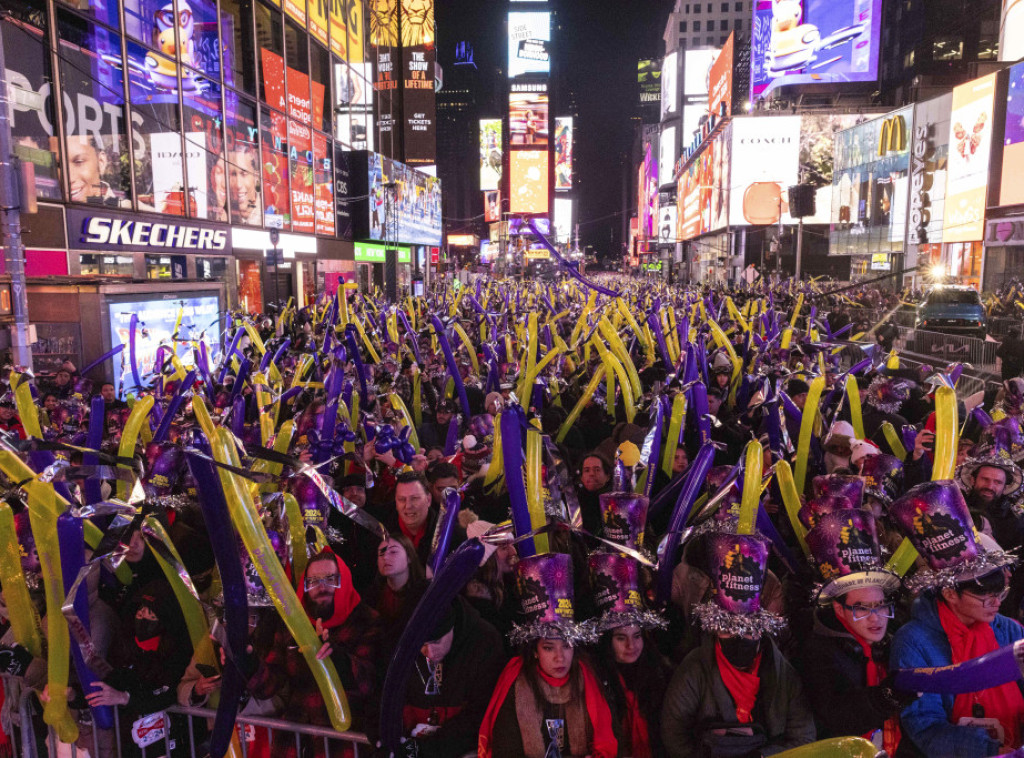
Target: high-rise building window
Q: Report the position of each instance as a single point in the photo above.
(682, 26)
(738, 7)
(711, 24)
(709, 41)
(696, 26)
(738, 24)
(696, 8)
(725, 7)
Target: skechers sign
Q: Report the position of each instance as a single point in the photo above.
(133, 233)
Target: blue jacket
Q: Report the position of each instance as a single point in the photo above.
(922, 642)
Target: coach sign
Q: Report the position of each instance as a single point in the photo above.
(102, 230)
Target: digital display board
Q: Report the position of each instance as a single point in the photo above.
(564, 209)
(667, 155)
(970, 146)
(491, 154)
(157, 319)
(1011, 31)
(519, 226)
(669, 86)
(386, 80)
(415, 203)
(529, 181)
(720, 79)
(1012, 188)
(696, 72)
(667, 224)
(695, 196)
(648, 82)
(765, 163)
(492, 206)
(529, 42)
(813, 42)
(563, 152)
(647, 193)
(528, 119)
(419, 108)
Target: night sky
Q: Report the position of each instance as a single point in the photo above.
(605, 40)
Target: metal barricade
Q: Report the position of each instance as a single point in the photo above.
(949, 348)
(18, 724)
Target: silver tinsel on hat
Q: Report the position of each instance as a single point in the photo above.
(949, 577)
(634, 617)
(716, 620)
(897, 388)
(573, 632)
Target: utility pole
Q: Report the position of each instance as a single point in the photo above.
(799, 245)
(10, 212)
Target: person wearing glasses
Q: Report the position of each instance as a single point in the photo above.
(955, 619)
(843, 659)
(350, 632)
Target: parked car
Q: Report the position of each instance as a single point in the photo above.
(953, 309)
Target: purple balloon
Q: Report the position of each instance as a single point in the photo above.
(446, 523)
(990, 670)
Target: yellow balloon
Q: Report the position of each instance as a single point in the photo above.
(22, 614)
(751, 488)
(534, 487)
(585, 396)
(806, 427)
(791, 499)
(675, 425)
(946, 425)
(130, 435)
(838, 747)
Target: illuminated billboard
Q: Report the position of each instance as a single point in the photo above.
(414, 203)
(647, 192)
(563, 153)
(720, 79)
(669, 86)
(492, 206)
(1011, 31)
(564, 208)
(386, 79)
(970, 145)
(648, 82)
(1012, 188)
(529, 41)
(813, 42)
(419, 51)
(529, 181)
(491, 153)
(667, 224)
(667, 155)
(765, 163)
(528, 119)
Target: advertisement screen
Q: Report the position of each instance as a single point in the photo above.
(353, 105)
(648, 81)
(386, 79)
(492, 206)
(647, 193)
(528, 119)
(415, 203)
(765, 163)
(667, 223)
(419, 107)
(814, 42)
(491, 154)
(669, 86)
(529, 41)
(667, 155)
(720, 81)
(529, 181)
(696, 72)
(563, 153)
(1011, 31)
(970, 145)
(157, 319)
(564, 208)
(519, 226)
(1012, 188)
(702, 201)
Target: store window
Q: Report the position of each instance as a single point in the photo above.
(29, 76)
(242, 161)
(212, 269)
(270, 34)
(237, 37)
(166, 267)
(250, 286)
(99, 170)
(106, 265)
(274, 146)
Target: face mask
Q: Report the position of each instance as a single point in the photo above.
(146, 629)
(740, 651)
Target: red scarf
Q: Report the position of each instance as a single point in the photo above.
(636, 723)
(605, 745)
(742, 685)
(413, 538)
(875, 674)
(345, 597)
(149, 645)
(1004, 702)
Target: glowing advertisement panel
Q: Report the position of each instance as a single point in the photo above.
(528, 119)
(419, 53)
(157, 319)
(667, 224)
(813, 42)
(1012, 188)
(563, 153)
(564, 208)
(669, 86)
(720, 79)
(1011, 31)
(765, 163)
(492, 206)
(667, 155)
(695, 192)
(529, 180)
(416, 203)
(491, 154)
(970, 146)
(529, 42)
(647, 193)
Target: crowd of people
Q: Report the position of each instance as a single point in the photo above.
(701, 524)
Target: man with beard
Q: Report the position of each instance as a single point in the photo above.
(991, 481)
(349, 630)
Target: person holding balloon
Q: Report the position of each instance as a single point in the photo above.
(955, 619)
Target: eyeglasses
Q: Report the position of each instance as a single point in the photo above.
(332, 582)
(989, 599)
(861, 612)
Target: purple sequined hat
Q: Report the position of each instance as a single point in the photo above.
(812, 511)
(887, 394)
(934, 516)
(840, 485)
(883, 477)
(546, 594)
(844, 548)
(624, 516)
(738, 565)
(994, 456)
(615, 580)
